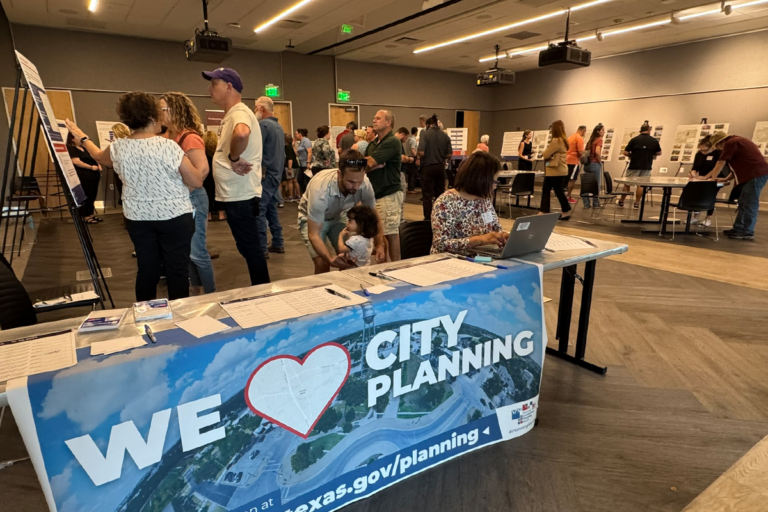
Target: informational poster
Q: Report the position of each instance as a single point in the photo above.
(106, 135)
(335, 132)
(608, 141)
(51, 130)
(309, 413)
(760, 137)
(213, 121)
(511, 143)
(540, 142)
(459, 140)
(687, 139)
(630, 133)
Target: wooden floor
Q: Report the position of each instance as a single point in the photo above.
(685, 396)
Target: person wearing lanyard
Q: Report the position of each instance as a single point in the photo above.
(704, 161)
(749, 168)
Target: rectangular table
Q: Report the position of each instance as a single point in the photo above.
(648, 182)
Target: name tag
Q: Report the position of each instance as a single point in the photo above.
(488, 217)
(709, 157)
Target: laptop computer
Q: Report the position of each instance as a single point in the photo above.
(529, 234)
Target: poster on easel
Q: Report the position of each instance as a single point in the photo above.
(106, 135)
(630, 133)
(608, 141)
(511, 143)
(540, 142)
(459, 140)
(687, 139)
(51, 130)
(760, 137)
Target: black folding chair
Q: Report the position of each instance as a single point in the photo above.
(15, 306)
(415, 239)
(589, 189)
(610, 195)
(697, 196)
(733, 200)
(522, 186)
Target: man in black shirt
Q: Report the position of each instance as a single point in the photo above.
(434, 150)
(641, 151)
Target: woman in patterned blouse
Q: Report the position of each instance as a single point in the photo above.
(464, 218)
(323, 155)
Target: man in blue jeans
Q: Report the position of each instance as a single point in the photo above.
(237, 168)
(273, 166)
(750, 169)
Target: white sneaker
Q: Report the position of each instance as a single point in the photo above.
(707, 222)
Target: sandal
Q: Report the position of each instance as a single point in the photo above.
(91, 220)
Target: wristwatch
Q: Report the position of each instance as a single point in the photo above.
(83, 140)
(230, 158)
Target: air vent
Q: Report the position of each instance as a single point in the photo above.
(408, 41)
(290, 24)
(80, 23)
(525, 34)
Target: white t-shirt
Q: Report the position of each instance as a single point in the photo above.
(229, 185)
(152, 185)
(360, 248)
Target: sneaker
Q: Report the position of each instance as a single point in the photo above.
(636, 207)
(572, 200)
(707, 222)
(278, 250)
(742, 236)
(620, 204)
(281, 205)
(728, 232)
(587, 206)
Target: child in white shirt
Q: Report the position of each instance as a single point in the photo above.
(362, 228)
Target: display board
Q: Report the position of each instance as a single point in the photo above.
(106, 135)
(214, 120)
(56, 142)
(309, 413)
(608, 140)
(687, 139)
(540, 142)
(459, 138)
(760, 137)
(511, 143)
(630, 133)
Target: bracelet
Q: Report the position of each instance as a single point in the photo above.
(229, 156)
(83, 140)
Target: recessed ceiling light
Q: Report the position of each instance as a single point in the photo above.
(233, 25)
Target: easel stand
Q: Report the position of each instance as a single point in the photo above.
(22, 197)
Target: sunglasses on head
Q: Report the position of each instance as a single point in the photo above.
(355, 163)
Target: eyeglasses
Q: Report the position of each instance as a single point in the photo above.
(165, 109)
(355, 163)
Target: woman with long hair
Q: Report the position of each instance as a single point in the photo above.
(594, 167)
(211, 141)
(556, 171)
(290, 185)
(155, 173)
(525, 152)
(323, 155)
(180, 117)
(89, 174)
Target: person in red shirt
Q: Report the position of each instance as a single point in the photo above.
(575, 149)
(749, 168)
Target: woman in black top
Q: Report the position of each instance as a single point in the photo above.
(291, 188)
(89, 174)
(525, 152)
(703, 163)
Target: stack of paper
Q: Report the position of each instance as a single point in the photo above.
(202, 326)
(441, 271)
(117, 345)
(559, 242)
(282, 306)
(37, 354)
(103, 320)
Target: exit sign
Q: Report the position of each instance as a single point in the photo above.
(343, 96)
(272, 91)
(346, 29)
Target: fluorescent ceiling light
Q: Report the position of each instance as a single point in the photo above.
(749, 4)
(281, 15)
(510, 26)
(638, 27)
(700, 14)
(92, 5)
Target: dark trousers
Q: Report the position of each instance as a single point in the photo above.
(555, 183)
(302, 179)
(159, 242)
(243, 220)
(412, 172)
(432, 186)
(90, 183)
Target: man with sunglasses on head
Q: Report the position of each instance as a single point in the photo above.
(323, 210)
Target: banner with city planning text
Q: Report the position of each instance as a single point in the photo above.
(302, 415)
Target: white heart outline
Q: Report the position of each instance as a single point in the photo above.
(301, 363)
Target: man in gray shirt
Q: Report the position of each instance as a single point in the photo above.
(273, 166)
(347, 139)
(434, 150)
(323, 207)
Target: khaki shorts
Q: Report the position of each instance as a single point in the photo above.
(635, 173)
(329, 232)
(390, 210)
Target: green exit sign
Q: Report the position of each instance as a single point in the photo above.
(272, 91)
(346, 29)
(343, 96)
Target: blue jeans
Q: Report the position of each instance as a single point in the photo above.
(597, 171)
(268, 214)
(749, 205)
(200, 265)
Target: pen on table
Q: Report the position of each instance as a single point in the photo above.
(502, 267)
(381, 276)
(150, 334)
(334, 292)
(366, 292)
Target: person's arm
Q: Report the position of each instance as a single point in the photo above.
(191, 176)
(520, 150)
(239, 142)
(199, 161)
(627, 150)
(383, 153)
(422, 147)
(553, 148)
(309, 157)
(340, 261)
(715, 171)
(102, 157)
(727, 179)
(83, 165)
(443, 240)
(579, 145)
(343, 249)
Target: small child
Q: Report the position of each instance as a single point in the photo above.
(362, 228)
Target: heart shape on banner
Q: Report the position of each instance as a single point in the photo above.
(294, 393)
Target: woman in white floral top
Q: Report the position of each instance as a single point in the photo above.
(464, 218)
(323, 155)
